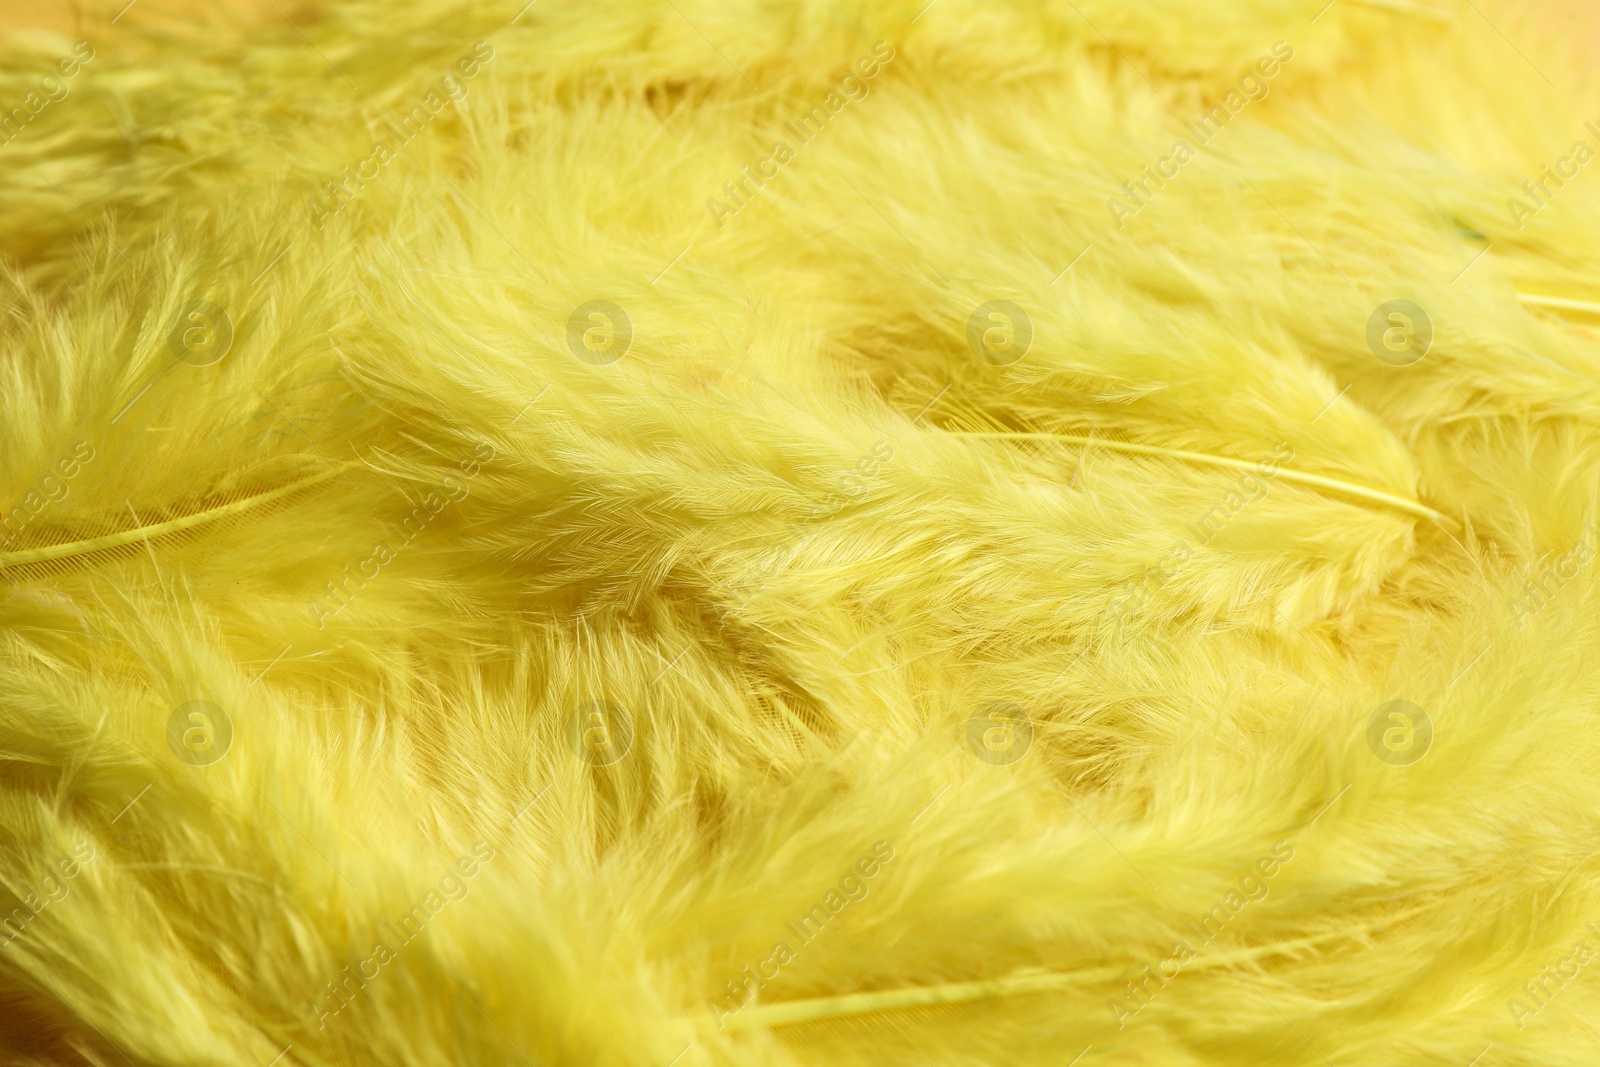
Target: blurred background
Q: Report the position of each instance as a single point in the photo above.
(1531, 25)
(1580, 19)
(65, 15)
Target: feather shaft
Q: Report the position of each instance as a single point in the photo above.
(67, 549)
(1410, 507)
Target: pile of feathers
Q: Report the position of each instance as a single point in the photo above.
(669, 533)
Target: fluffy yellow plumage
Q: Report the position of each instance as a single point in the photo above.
(685, 534)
